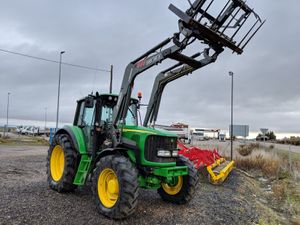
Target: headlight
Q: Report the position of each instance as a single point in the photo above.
(175, 153)
(167, 153)
(163, 153)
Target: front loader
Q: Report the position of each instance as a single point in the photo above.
(106, 146)
(213, 32)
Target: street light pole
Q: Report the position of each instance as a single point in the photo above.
(7, 111)
(45, 118)
(58, 92)
(111, 79)
(231, 115)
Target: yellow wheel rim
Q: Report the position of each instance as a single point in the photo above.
(108, 188)
(57, 163)
(173, 189)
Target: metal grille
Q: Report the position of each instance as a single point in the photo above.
(154, 143)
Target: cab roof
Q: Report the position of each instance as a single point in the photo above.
(105, 95)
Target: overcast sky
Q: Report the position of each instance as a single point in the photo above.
(100, 33)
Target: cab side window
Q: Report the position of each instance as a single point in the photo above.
(80, 109)
(88, 116)
(106, 114)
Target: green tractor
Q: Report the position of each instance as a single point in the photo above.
(105, 144)
(147, 158)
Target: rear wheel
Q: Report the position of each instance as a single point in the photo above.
(115, 186)
(181, 189)
(62, 163)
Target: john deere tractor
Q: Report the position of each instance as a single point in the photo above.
(105, 144)
(146, 158)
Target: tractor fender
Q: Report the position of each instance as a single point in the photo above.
(113, 151)
(77, 137)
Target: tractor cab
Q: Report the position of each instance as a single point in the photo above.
(94, 116)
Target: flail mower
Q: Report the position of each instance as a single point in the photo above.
(207, 162)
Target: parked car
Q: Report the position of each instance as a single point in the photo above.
(198, 136)
(30, 130)
(43, 131)
(19, 129)
(24, 130)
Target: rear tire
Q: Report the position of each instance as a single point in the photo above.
(185, 190)
(62, 164)
(115, 186)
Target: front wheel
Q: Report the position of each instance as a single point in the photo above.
(115, 186)
(182, 188)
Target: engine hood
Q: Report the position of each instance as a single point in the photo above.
(147, 131)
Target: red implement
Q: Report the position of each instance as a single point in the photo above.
(217, 167)
(198, 156)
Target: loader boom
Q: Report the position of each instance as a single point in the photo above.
(196, 23)
(169, 75)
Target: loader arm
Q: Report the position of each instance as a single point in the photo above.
(136, 67)
(171, 74)
(133, 69)
(196, 23)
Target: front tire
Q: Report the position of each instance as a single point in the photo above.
(182, 189)
(115, 186)
(62, 164)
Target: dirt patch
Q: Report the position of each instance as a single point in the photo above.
(27, 199)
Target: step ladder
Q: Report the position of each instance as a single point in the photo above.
(83, 170)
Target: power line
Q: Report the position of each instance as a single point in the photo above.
(54, 61)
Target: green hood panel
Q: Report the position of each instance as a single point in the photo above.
(139, 136)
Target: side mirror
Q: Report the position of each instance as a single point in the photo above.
(89, 102)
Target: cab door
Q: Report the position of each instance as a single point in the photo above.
(85, 120)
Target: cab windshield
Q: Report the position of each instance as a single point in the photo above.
(131, 117)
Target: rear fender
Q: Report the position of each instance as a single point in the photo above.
(77, 137)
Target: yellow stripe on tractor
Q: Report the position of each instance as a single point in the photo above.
(138, 131)
(219, 171)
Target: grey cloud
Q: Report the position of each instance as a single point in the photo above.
(101, 33)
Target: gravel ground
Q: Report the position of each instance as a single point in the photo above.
(25, 198)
